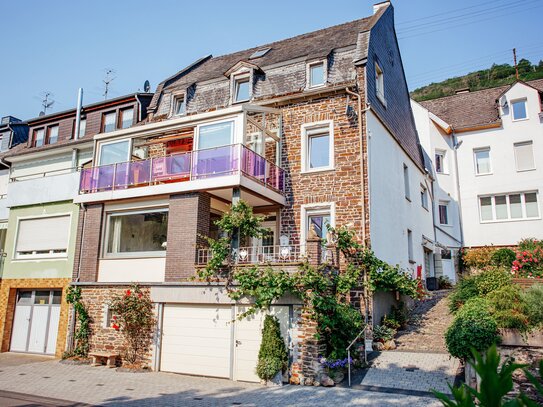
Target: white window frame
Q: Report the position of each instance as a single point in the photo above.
(315, 209)
(444, 167)
(244, 77)
(309, 129)
(42, 256)
(481, 149)
(380, 84)
(446, 205)
(105, 143)
(508, 206)
(521, 143)
(410, 247)
(525, 100)
(424, 196)
(126, 212)
(406, 182)
(196, 142)
(324, 64)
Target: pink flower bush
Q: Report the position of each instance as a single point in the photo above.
(528, 263)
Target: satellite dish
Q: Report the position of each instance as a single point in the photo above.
(146, 86)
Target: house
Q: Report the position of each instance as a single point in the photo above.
(312, 130)
(488, 150)
(43, 220)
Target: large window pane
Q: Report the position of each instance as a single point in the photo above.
(137, 232)
(109, 121)
(53, 135)
(515, 206)
(215, 135)
(501, 206)
(486, 208)
(39, 137)
(319, 222)
(113, 153)
(319, 150)
(443, 214)
(532, 207)
(127, 118)
(519, 110)
(482, 161)
(316, 73)
(242, 90)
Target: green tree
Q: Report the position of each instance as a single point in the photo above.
(273, 355)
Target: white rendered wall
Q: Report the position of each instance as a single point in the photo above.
(144, 270)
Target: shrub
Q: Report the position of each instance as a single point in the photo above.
(444, 283)
(528, 263)
(473, 327)
(340, 326)
(463, 291)
(533, 299)
(508, 308)
(390, 322)
(400, 314)
(503, 257)
(530, 244)
(383, 333)
(479, 258)
(491, 280)
(272, 356)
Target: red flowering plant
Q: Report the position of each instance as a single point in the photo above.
(135, 319)
(529, 260)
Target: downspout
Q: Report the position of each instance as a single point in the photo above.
(456, 145)
(139, 106)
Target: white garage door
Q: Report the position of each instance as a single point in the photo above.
(197, 340)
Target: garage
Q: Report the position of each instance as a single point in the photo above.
(205, 340)
(35, 323)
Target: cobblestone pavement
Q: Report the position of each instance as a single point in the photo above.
(411, 371)
(106, 387)
(429, 321)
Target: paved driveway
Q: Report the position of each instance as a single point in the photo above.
(106, 387)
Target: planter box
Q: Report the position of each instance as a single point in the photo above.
(512, 337)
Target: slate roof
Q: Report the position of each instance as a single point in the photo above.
(472, 109)
(311, 45)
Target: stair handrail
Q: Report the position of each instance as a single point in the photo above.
(349, 352)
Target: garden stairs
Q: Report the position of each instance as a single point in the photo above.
(428, 322)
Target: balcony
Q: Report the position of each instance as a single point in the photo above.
(287, 254)
(210, 168)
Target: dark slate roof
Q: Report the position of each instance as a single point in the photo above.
(472, 109)
(310, 45)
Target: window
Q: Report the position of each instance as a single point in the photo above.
(406, 182)
(316, 74)
(215, 135)
(109, 122)
(137, 233)
(180, 106)
(440, 161)
(82, 127)
(38, 137)
(410, 246)
(127, 118)
(116, 152)
(519, 109)
(317, 217)
(524, 156)
(424, 196)
(42, 237)
(52, 135)
(514, 206)
(443, 213)
(379, 83)
(242, 91)
(259, 53)
(482, 161)
(317, 147)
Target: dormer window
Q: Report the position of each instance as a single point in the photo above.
(242, 89)
(380, 84)
(38, 137)
(316, 74)
(519, 109)
(180, 106)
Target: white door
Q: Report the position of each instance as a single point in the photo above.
(248, 337)
(197, 339)
(448, 269)
(21, 321)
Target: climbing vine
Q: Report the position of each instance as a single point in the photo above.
(82, 332)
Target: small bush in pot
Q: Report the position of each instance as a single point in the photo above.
(273, 355)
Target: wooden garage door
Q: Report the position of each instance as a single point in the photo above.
(197, 339)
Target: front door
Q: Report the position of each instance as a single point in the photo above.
(35, 324)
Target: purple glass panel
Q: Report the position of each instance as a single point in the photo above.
(102, 177)
(215, 162)
(253, 164)
(174, 167)
(275, 178)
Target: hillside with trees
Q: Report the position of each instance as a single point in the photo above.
(497, 75)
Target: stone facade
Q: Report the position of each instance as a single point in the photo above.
(8, 296)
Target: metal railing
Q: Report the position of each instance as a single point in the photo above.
(290, 254)
(44, 174)
(192, 165)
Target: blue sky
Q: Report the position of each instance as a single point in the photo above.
(59, 46)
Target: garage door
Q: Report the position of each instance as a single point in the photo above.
(197, 340)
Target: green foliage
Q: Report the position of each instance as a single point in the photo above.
(390, 322)
(134, 317)
(530, 244)
(382, 333)
(496, 380)
(533, 302)
(444, 283)
(529, 259)
(491, 280)
(496, 75)
(508, 308)
(473, 326)
(503, 257)
(479, 258)
(465, 289)
(82, 332)
(273, 355)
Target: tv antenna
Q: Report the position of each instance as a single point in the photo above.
(47, 102)
(107, 80)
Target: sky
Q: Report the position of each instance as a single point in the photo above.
(58, 46)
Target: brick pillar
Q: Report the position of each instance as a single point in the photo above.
(313, 248)
(90, 241)
(311, 349)
(187, 219)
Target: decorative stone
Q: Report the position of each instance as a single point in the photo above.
(326, 381)
(316, 384)
(308, 381)
(338, 377)
(379, 346)
(390, 345)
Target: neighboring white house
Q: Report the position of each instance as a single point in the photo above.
(493, 140)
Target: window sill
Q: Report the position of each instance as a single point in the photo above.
(528, 170)
(40, 258)
(135, 256)
(443, 173)
(446, 225)
(484, 222)
(520, 120)
(310, 87)
(237, 102)
(318, 170)
(484, 175)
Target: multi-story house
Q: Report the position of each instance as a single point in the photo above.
(312, 130)
(488, 155)
(43, 220)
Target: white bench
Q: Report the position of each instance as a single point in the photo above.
(98, 357)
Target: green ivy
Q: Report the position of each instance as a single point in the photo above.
(82, 333)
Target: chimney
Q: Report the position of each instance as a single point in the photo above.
(379, 6)
(9, 119)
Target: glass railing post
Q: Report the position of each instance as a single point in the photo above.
(151, 171)
(114, 176)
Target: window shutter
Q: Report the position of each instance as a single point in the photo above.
(524, 156)
(40, 234)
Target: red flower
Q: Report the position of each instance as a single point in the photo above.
(115, 326)
(128, 292)
(140, 295)
(114, 317)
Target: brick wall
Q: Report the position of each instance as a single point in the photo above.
(8, 296)
(91, 236)
(188, 220)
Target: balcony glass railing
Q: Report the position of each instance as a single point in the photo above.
(193, 165)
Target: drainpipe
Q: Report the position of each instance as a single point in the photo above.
(457, 145)
(78, 113)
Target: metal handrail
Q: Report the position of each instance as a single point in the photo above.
(349, 352)
(46, 173)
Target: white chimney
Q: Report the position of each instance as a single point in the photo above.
(379, 6)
